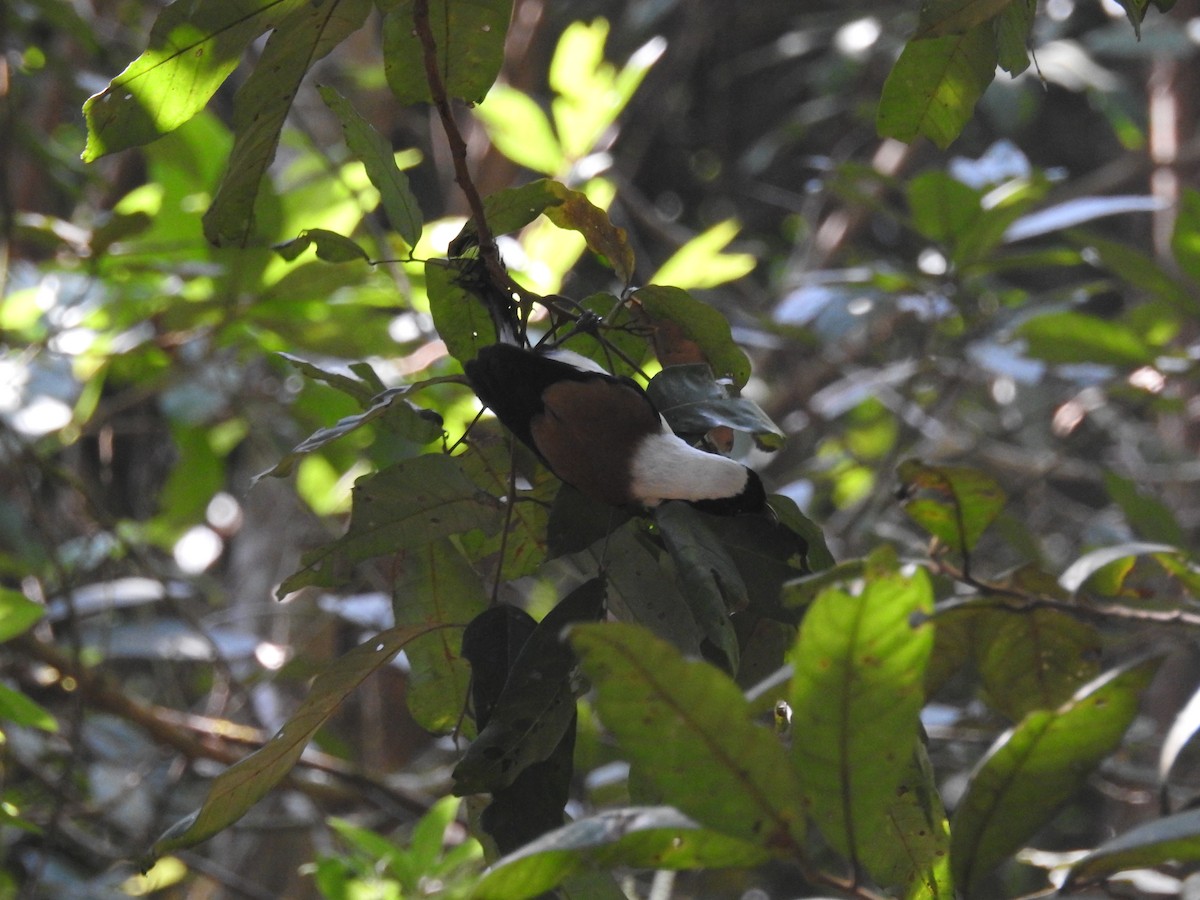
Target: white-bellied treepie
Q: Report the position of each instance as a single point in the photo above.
(602, 435)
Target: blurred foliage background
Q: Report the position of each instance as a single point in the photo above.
(1025, 302)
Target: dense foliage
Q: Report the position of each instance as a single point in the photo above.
(245, 474)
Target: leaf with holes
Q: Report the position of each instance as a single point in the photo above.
(953, 503)
(856, 697)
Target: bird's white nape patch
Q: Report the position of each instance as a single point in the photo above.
(665, 467)
(576, 360)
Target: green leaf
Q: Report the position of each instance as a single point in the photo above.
(1071, 337)
(941, 17)
(519, 129)
(402, 507)
(470, 48)
(953, 503)
(700, 323)
(193, 47)
(436, 585)
(331, 246)
(19, 709)
(577, 213)
(537, 704)
(688, 729)
(644, 837)
(17, 613)
(1185, 240)
(694, 403)
(934, 85)
(856, 698)
(462, 320)
(943, 208)
(1033, 659)
(1173, 839)
(246, 782)
(1034, 768)
(701, 262)
(262, 103)
(1150, 518)
(1140, 270)
(376, 153)
(1014, 28)
(909, 847)
(711, 583)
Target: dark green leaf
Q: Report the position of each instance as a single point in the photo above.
(243, 784)
(470, 48)
(700, 323)
(688, 729)
(1140, 270)
(193, 47)
(934, 85)
(856, 696)
(712, 585)
(262, 103)
(375, 152)
(943, 208)
(331, 247)
(1034, 768)
(1014, 26)
(537, 704)
(654, 837)
(694, 403)
(953, 503)
(402, 507)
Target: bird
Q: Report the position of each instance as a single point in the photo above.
(602, 434)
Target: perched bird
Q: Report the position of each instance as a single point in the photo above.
(602, 435)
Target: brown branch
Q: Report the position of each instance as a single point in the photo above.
(458, 146)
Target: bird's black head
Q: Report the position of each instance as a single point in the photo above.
(751, 499)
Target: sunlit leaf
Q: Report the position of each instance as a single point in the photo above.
(1076, 212)
(934, 85)
(1180, 734)
(1034, 768)
(263, 102)
(242, 785)
(470, 48)
(19, 709)
(940, 17)
(856, 696)
(193, 47)
(1090, 563)
(17, 613)
(953, 503)
(702, 262)
(520, 130)
(376, 153)
(687, 728)
(650, 837)
(1174, 839)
